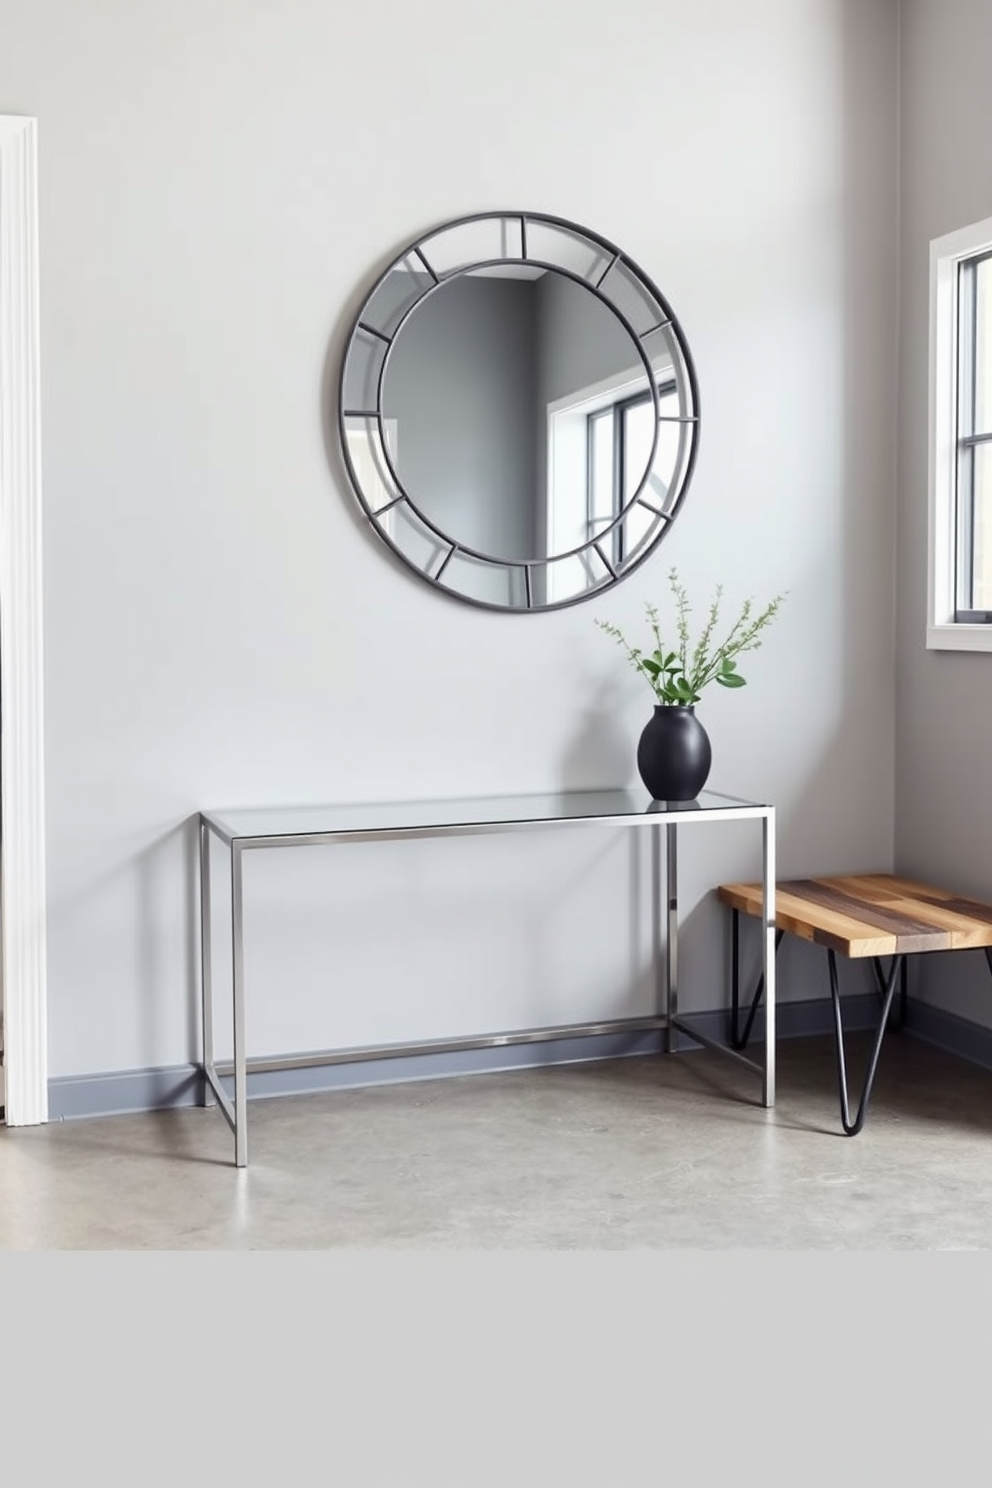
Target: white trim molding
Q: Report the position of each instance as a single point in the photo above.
(944, 633)
(23, 930)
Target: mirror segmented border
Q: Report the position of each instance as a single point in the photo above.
(587, 539)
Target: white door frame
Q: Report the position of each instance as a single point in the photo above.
(23, 957)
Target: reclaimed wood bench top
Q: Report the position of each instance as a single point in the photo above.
(870, 914)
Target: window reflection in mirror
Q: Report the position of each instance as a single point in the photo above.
(490, 387)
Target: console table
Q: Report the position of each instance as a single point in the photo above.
(244, 831)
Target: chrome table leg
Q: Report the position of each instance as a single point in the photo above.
(238, 964)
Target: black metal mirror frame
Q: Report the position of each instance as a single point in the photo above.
(448, 547)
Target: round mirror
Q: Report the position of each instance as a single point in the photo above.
(518, 411)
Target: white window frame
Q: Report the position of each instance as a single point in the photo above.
(944, 632)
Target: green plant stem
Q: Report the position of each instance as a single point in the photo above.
(678, 677)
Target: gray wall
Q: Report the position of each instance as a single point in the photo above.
(221, 629)
(461, 385)
(943, 799)
(581, 340)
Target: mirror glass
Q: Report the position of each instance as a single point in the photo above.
(520, 429)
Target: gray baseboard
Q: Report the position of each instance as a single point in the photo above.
(124, 1092)
(793, 1019)
(71, 1097)
(182, 1085)
(960, 1036)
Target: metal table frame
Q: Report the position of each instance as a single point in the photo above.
(459, 818)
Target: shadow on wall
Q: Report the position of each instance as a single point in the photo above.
(147, 902)
(833, 774)
(634, 992)
(858, 761)
(860, 756)
(156, 991)
(601, 753)
(335, 941)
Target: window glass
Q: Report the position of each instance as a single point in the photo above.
(601, 506)
(983, 347)
(981, 528)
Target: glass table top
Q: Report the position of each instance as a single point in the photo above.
(482, 811)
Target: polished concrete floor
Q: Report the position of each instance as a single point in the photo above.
(647, 1153)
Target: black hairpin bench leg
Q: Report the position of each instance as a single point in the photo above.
(738, 1040)
(887, 986)
(851, 1128)
(898, 1023)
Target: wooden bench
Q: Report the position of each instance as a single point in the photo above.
(868, 915)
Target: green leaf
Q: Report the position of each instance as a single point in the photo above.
(680, 676)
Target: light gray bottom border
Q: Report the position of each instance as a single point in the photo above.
(74, 1096)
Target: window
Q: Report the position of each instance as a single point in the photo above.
(960, 599)
(974, 442)
(598, 446)
(619, 439)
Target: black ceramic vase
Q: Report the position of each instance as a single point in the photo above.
(674, 754)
